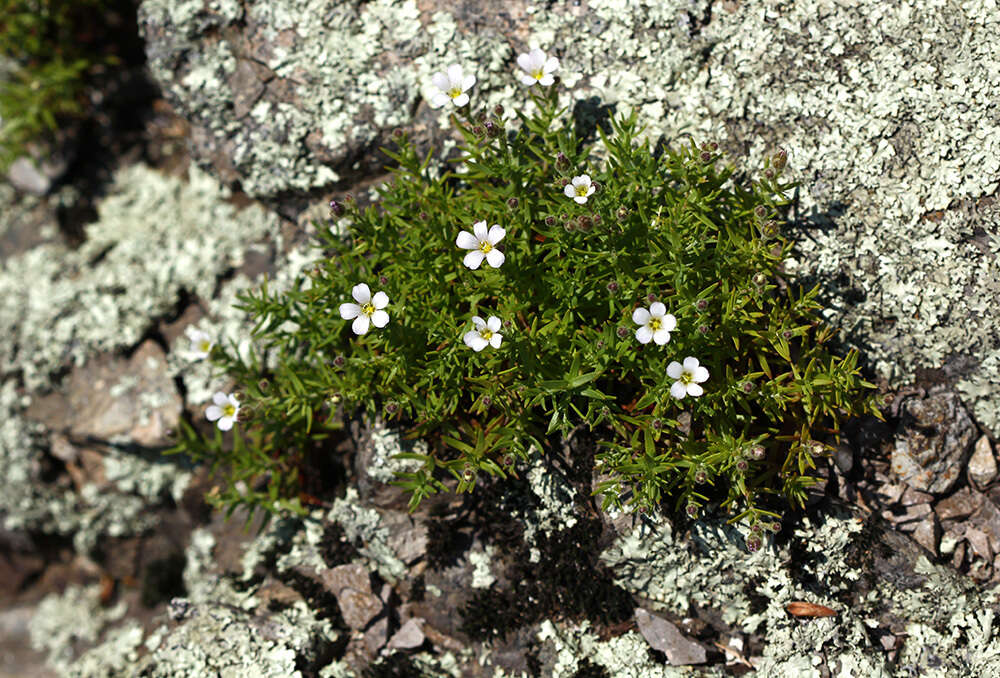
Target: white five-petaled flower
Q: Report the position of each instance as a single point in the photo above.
(225, 409)
(367, 310)
(656, 323)
(688, 376)
(201, 343)
(537, 68)
(452, 86)
(482, 244)
(579, 189)
(486, 332)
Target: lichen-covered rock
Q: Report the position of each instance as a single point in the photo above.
(933, 443)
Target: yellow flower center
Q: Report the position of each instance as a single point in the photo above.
(228, 410)
(204, 346)
(368, 308)
(582, 189)
(455, 92)
(654, 324)
(485, 246)
(686, 377)
(538, 74)
(486, 333)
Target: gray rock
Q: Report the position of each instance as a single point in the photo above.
(933, 443)
(410, 635)
(357, 607)
(376, 635)
(667, 638)
(36, 179)
(960, 505)
(351, 575)
(987, 519)
(982, 463)
(928, 533)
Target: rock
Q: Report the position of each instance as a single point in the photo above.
(667, 638)
(407, 537)
(979, 541)
(351, 584)
(26, 176)
(933, 442)
(843, 457)
(987, 519)
(982, 463)
(906, 517)
(409, 636)
(927, 533)
(376, 635)
(958, 558)
(960, 505)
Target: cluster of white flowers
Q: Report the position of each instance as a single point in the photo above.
(655, 325)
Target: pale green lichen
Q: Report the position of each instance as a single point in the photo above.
(715, 574)
(64, 622)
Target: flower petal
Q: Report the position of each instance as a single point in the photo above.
(440, 99)
(461, 100)
(700, 374)
(220, 398)
(661, 336)
(570, 193)
(644, 334)
(213, 412)
(657, 309)
(581, 199)
(473, 259)
(496, 234)
(690, 363)
(493, 323)
(677, 390)
(468, 336)
(537, 58)
(546, 80)
(226, 423)
(348, 311)
(440, 80)
(495, 340)
(591, 190)
(524, 61)
(468, 82)
(361, 293)
(640, 316)
(551, 66)
(527, 80)
(478, 322)
(495, 258)
(454, 75)
(360, 324)
(669, 322)
(479, 228)
(476, 341)
(380, 318)
(582, 180)
(466, 241)
(380, 300)
(674, 370)
(694, 390)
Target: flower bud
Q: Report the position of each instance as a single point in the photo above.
(706, 157)
(769, 173)
(656, 424)
(562, 162)
(468, 473)
(759, 279)
(757, 452)
(563, 183)
(424, 216)
(597, 187)
(507, 460)
(391, 408)
(335, 399)
(498, 111)
(816, 448)
(703, 329)
(712, 146)
(263, 385)
(568, 226)
(585, 222)
(550, 221)
(622, 332)
(747, 387)
(787, 334)
(774, 527)
(742, 465)
(481, 116)
(779, 159)
(339, 361)
(651, 297)
(397, 134)
(599, 344)
(245, 413)
(769, 229)
(701, 304)
(486, 401)
(701, 476)
(493, 130)
(760, 211)
(754, 542)
(613, 287)
(336, 209)
(692, 510)
(478, 131)
(349, 200)
(622, 213)
(512, 203)
(382, 280)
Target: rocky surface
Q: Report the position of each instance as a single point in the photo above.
(111, 563)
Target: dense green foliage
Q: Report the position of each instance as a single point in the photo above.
(664, 225)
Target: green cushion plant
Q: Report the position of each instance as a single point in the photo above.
(530, 286)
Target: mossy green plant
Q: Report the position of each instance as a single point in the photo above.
(525, 287)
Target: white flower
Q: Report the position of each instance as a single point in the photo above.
(225, 410)
(537, 68)
(368, 309)
(579, 189)
(482, 245)
(688, 377)
(201, 343)
(656, 323)
(485, 333)
(453, 87)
